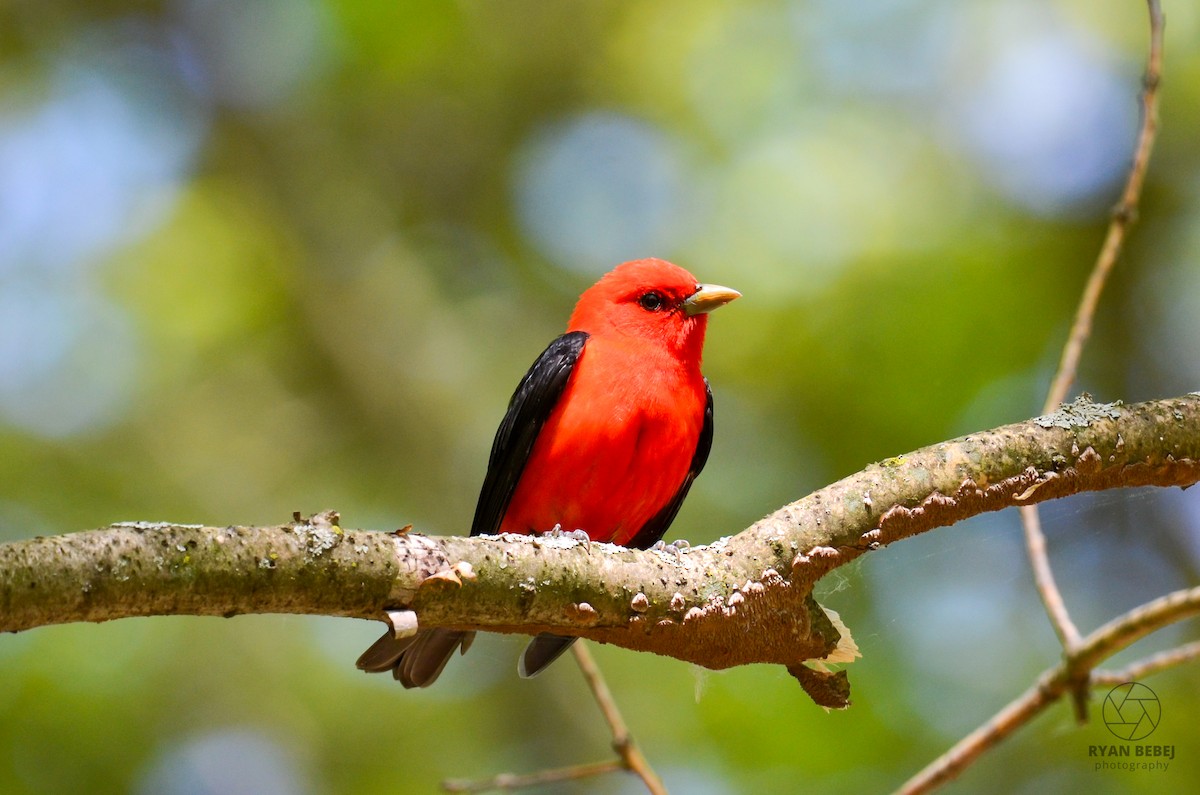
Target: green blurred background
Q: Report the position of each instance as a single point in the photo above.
(259, 257)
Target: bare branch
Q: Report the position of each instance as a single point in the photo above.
(630, 755)
(1081, 655)
(1055, 682)
(1016, 714)
(744, 599)
(510, 781)
(1123, 216)
(1153, 664)
(1043, 578)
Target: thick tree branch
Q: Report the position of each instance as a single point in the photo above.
(743, 599)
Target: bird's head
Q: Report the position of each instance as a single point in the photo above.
(652, 300)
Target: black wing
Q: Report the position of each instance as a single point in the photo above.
(530, 407)
(546, 648)
(656, 527)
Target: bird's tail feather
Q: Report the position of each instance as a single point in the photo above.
(541, 651)
(415, 661)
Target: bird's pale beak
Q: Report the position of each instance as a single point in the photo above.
(708, 297)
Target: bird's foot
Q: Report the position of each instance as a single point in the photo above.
(675, 547)
(577, 535)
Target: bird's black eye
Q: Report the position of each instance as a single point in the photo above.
(651, 301)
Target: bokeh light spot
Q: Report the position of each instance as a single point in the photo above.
(599, 189)
(223, 762)
(230, 37)
(1049, 122)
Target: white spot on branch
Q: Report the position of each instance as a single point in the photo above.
(403, 622)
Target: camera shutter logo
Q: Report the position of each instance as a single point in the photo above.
(1132, 711)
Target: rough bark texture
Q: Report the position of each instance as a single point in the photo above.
(743, 599)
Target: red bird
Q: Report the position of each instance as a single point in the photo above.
(605, 434)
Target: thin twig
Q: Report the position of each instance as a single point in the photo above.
(1151, 665)
(1123, 216)
(1053, 683)
(1013, 716)
(1043, 577)
(1081, 655)
(510, 781)
(1135, 625)
(630, 756)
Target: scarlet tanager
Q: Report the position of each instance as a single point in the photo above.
(605, 434)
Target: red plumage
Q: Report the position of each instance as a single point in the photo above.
(619, 442)
(605, 434)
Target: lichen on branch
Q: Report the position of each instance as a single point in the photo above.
(743, 599)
